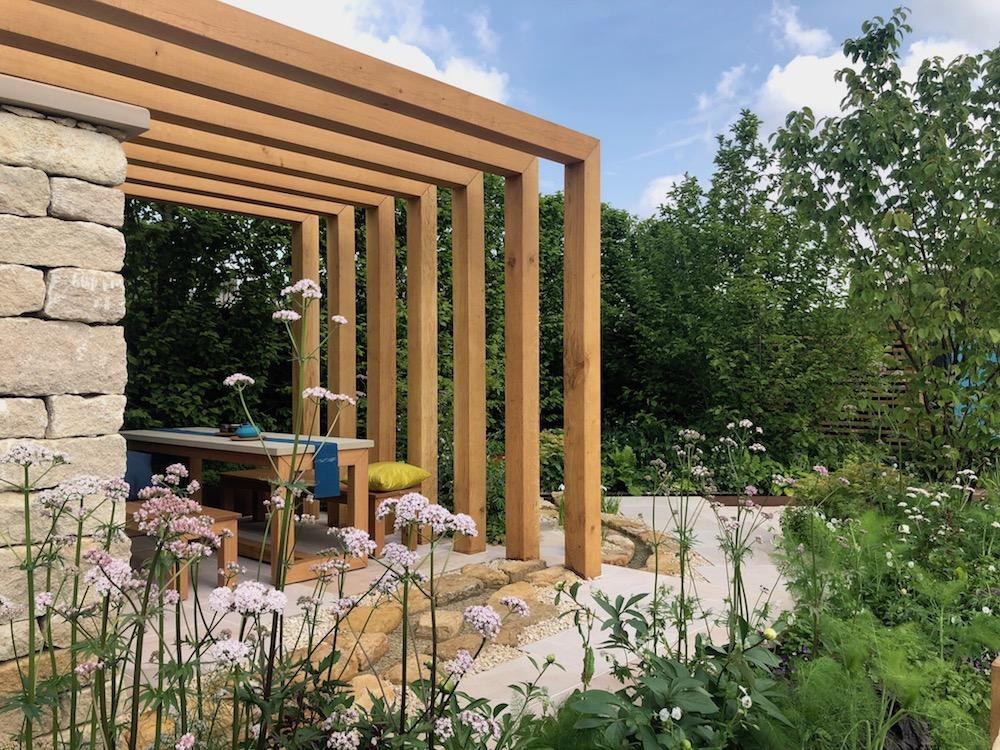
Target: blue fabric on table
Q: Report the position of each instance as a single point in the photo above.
(138, 472)
(326, 462)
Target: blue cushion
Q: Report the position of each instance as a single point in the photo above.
(138, 472)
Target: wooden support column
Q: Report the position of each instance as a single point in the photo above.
(995, 702)
(521, 407)
(305, 265)
(582, 365)
(380, 238)
(341, 293)
(469, 298)
(421, 337)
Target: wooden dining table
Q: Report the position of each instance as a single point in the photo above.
(195, 445)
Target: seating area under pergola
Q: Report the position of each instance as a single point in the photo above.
(253, 117)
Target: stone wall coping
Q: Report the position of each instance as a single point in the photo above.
(54, 100)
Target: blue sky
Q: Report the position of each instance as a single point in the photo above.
(655, 80)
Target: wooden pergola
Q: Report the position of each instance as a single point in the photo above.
(254, 117)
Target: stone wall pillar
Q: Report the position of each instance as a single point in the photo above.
(62, 354)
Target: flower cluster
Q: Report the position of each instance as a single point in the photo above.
(479, 724)
(229, 653)
(413, 510)
(353, 542)
(286, 315)
(33, 454)
(516, 605)
(398, 556)
(308, 288)
(319, 393)
(248, 598)
(460, 665)
(484, 620)
(238, 380)
(111, 576)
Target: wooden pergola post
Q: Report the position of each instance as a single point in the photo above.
(521, 331)
(380, 250)
(305, 265)
(469, 300)
(421, 337)
(341, 285)
(582, 364)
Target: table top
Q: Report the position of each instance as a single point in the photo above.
(207, 438)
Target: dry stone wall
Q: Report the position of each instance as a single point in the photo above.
(62, 354)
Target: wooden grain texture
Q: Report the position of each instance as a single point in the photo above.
(469, 299)
(249, 39)
(995, 703)
(180, 107)
(342, 299)
(197, 200)
(305, 265)
(380, 251)
(140, 155)
(261, 88)
(422, 338)
(521, 331)
(582, 365)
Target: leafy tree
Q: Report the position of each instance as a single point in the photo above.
(903, 184)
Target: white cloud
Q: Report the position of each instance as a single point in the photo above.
(977, 22)
(923, 49)
(805, 81)
(793, 33)
(481, 29)
(396, 31)
(725, 90)
(655, 193)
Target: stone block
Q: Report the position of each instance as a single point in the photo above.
(22, 290)
(84, 201)
(77, 416)
(52, 243)
(445, 622)
(58, 150)
(42, 357)
(518, 570)
(12, 512)
(101, 456)
(84, 295)
(382, 619)
(23, 191)
(20, 417)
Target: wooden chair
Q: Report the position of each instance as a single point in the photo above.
(222, 520)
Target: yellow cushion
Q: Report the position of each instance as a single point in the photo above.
(389, 476)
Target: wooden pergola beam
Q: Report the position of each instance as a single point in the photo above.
(229, 32)
(141, 155)
(222, 189)
(469, 302)
(28, 58)
(342, 344)
(81, 37)
(380, 252)
(582, 365)
(197, 200)
(521, 376)
(170, 138)
(422, 337)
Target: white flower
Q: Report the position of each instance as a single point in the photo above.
(747, 702)
(987, 610)
(904, 528)
(340, 320)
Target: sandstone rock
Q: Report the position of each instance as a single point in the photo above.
(22, 290)
(668, 563)
(75, 416)
(21, 417)
(416, 670)
(58, 150)
(522, 590)
(447, 624)
(84, 295)
(548, 519)
(22, 112)
(42, 357)
(49, 242)
(514, 625)
(489, 575)
(552, 576)
(366, 650)
(367, 688)
(344, 668)
(84, 201)
(14, 586)
(12, 513)
(453, 587)
(449, 649)
(10, 679)
(24, 191)
(518, 570)
(417, 602)
(382, 619)
(101, 456)
(617, 549)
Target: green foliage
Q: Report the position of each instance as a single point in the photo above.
(902, 185)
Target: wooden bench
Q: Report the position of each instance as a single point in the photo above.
(222, 520)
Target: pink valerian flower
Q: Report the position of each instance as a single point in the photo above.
(320, 393)
(437, 517)
(750, 490)
(33, 454)
(355, 542)
(286, 315)
(479, 724)
(516, 605)
(344, 740)
(238, 380)
(175, 473)
(444, 729)
(484, 620)
(463, 525)
(186, 742)
(757, 448)
(398, 556)
(306, 287)
(460, 665)
(248, 598)
(339, 320)
(8, 610)
(821, 470)
(340, 607)
(88, 668)
(111, 576)
(408, 509)
(746, 424)
(229, 653)
(45, 600)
